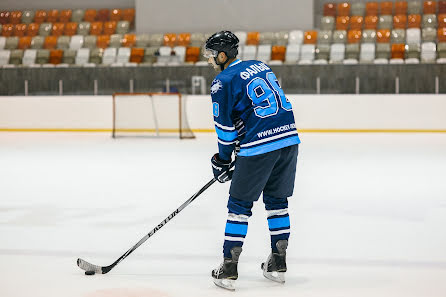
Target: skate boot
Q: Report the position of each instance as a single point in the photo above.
(275, 266)
(225, 275)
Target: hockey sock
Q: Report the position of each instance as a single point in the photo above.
(237, 224)
(278, 219)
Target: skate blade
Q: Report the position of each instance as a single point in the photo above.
(228, 284)
(275, 276)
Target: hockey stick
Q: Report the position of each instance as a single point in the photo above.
(84, 265)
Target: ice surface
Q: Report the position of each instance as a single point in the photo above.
(368, 217)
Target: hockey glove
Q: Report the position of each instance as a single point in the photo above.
(221, 169)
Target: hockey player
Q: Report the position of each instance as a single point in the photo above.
(253, 117)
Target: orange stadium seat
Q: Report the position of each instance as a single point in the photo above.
(278, 53)
(329, 9)
(56, 56)
(4, 17)
(33, 29)
(386, 8)
(58, 29)
(15, 17)
(441, 20)
(371, 22)
(430, 7)
(192, 54)
(414, 21)
(40, 16)
(129, 16)
(252, 38)
(90, 15)
(371, 8)
(354, 36)
(20, 30)
(310, 37)
(7, 30)
(398, 51)
(70, 29)
(401, 7)
(96, 28)
(170, 39)
(136, 55)
(343, 9)
(342, 22)
(129, 40)
(103, 41)
(25, 42)
(50, 42)
(103, 15)
(109, 27)
(383, 36)
(399, 21)
(116, 15)
(65, 15)
(184, 39)
(53, 16)
(356, 22)
(441, 34)
(441, 7)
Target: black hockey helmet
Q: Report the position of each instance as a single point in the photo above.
(223, 41)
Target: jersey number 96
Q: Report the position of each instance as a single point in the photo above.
(267, 95)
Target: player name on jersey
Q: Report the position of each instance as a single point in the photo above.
(253, 69)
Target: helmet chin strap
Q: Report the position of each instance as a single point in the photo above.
(222, 65)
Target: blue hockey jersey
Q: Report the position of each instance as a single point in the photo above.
(250, 107)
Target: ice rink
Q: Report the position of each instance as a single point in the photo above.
(368, 217)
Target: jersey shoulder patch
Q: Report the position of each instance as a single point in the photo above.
(216, 86)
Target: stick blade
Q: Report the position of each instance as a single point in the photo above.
(84, 265)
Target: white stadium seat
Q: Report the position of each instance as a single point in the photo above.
(76, 42)
(296, 37)
(337, 53)
(82, 56)
(4, 57)
(180, 53)
(109, 56)
(396, 61)
(413, 35)
(292, 53)
(164, 57)
(29, 57)
(307, 52)
(367, 53)
(249, 52)
(123, 55)
(428, 52)
(264, 53)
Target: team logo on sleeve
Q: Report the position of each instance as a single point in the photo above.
(216, 86)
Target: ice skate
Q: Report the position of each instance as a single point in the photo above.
(275, 266)
(225, 275)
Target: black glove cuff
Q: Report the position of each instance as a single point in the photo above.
(221, 161)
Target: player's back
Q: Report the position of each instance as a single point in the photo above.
(261, 112)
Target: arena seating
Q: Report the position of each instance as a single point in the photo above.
(348, 32)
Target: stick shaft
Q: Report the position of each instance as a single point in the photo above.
(159, 226)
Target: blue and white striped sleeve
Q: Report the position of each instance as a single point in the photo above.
(222, 109)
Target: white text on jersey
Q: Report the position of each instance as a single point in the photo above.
(253, 69)
(276, 130)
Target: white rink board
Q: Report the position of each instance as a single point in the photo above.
(386, 112)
